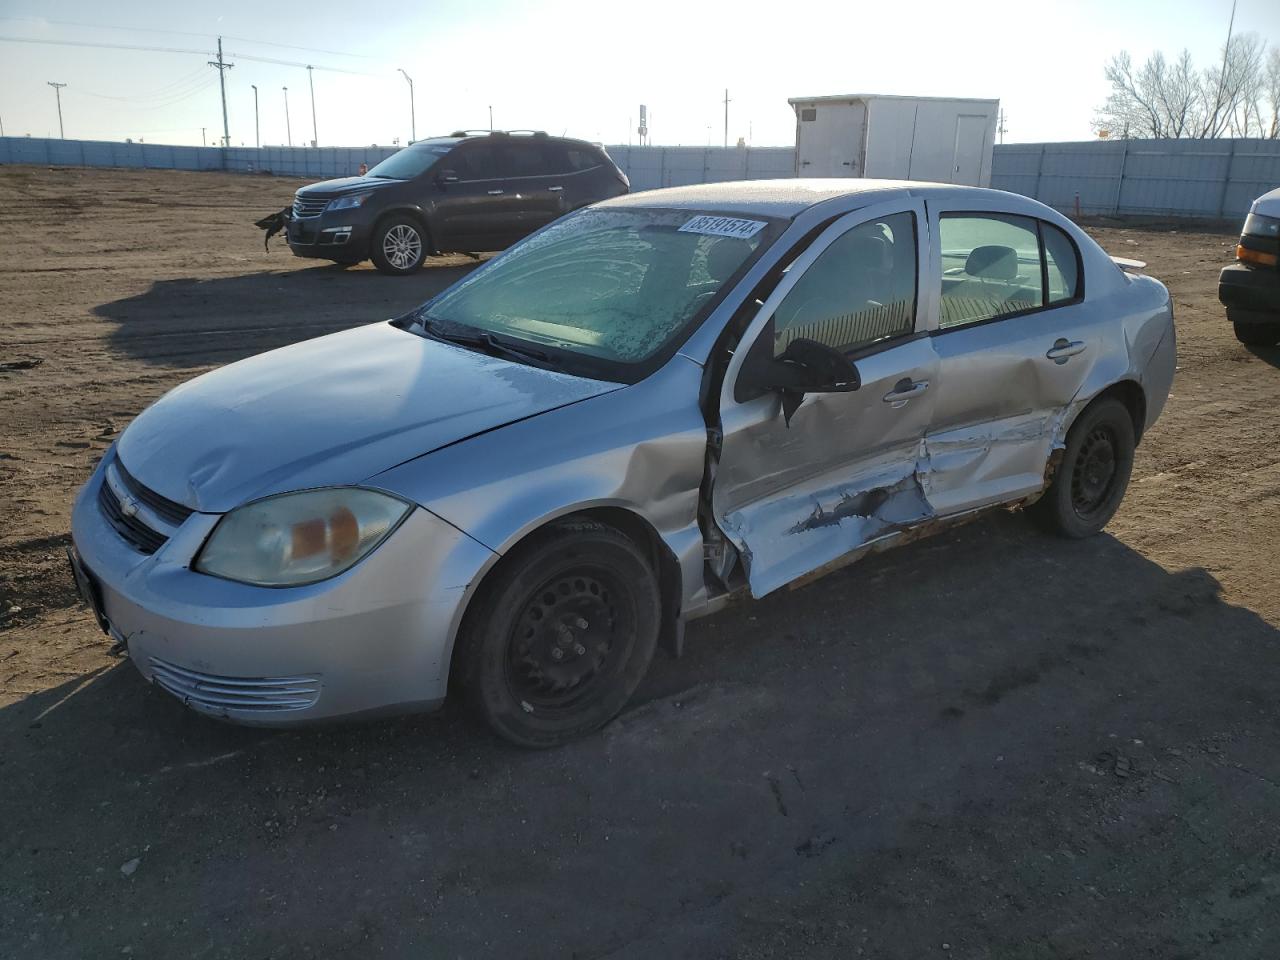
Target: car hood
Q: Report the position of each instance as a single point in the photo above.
(330, 411)
(345, 185)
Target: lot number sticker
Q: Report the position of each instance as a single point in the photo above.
(723, 227)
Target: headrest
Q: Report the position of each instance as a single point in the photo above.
(868, 253)
(992, 263)
(725, 256)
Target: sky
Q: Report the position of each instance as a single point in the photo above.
(569, 67)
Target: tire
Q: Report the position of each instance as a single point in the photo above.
(1257, 334)
(399, 246)
(1094, 474)
(580, 588)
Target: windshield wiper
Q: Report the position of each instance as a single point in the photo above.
(482, 340)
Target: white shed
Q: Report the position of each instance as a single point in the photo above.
(942, 139)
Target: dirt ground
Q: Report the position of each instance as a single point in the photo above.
(989, 744)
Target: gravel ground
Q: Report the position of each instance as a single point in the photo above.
(988, 744)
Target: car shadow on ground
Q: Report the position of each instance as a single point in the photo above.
(191, 322)
(1269, 355)
(990, 738)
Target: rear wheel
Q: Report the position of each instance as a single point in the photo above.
(399, 246)
(1257, 334)
(1094, 474)
(557, 642)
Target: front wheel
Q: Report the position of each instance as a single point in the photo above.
(1094, 474)
(1257, 334)
(399, 246)
(557, 642)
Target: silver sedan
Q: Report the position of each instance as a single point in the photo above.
(521, 489)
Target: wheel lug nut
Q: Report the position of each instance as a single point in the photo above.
(579, 649)
(581, 623)
(557, 653)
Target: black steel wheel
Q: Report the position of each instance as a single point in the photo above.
(1094, 473)
(556, 642)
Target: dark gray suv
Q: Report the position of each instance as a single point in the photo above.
(458, 194)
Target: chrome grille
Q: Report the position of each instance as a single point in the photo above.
(308, 206)
(219, 694)
(140, 536)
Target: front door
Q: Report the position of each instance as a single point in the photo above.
(1015, 345)
(794, 496)
(470, 211)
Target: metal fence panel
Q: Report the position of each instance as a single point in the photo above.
(1162, 177)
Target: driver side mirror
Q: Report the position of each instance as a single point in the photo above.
(447, 176)
(806, 366)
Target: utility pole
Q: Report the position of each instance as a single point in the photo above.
(57, 92)
(204, 141)
(315, 137)
(726, 116)
(413, 119)
(1001, 129)
(491, 118)
(257, 141)
(288, 131)
(223, 67)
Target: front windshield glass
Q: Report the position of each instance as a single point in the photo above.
(614, 285)
(411, 161)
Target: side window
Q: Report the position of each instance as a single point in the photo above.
(1062, 262)
(859, 290)
(475, 161)
(990, 267)
(583, 159)
(524, 159)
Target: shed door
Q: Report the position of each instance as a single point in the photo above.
(971, 137)
(830, 139)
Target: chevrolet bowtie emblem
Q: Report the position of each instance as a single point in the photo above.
(128, 506)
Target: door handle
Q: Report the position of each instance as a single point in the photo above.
(495, 193)
(1064, 349)
(555, 189)
(905, 389)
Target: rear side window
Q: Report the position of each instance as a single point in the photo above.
(475, 161)
(860, 290)
(580, 159)
(1062, 264)
(525, 160)
(990, 268)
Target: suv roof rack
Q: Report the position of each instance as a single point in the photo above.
(498, 133)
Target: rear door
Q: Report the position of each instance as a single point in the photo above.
(843, 472)
(1015, 343)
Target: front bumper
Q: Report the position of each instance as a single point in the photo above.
(376, 639)
(341, 235)
(1250, 293)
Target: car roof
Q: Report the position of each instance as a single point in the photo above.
(785, 198)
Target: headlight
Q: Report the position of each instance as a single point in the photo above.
(1256, 225)
(343, 203)
(298, 538)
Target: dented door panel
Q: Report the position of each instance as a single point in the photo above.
(793, 497)
(1002, 400)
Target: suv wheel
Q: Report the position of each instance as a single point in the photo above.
(399, 246)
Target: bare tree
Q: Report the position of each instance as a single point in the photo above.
(1271, 84)
(1163, 99)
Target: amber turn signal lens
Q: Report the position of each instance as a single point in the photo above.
(1246, 255)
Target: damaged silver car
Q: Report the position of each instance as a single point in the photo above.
(523, 488)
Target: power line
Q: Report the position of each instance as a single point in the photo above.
(101, 45)
(183, 33)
